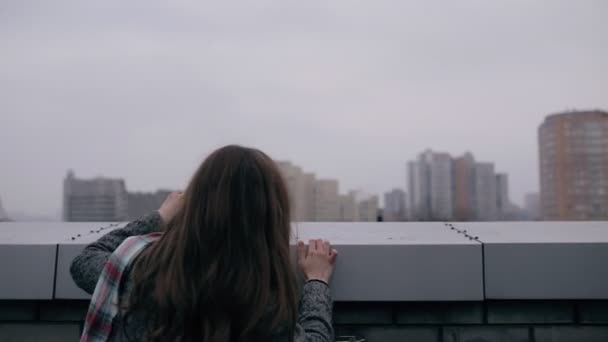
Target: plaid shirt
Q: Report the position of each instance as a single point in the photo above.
(104, 304)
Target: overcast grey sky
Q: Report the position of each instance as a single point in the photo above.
(348, 89)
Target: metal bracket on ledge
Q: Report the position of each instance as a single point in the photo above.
(462, 232)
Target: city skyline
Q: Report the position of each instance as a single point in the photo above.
(314, 199)
(443, 187)
(381, 196)
(351, 89)
(102, 199)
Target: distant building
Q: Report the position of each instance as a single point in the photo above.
(97, 199)
(515, 213)
(315, 199)
(503, 203)
(395, 206)
(574, 166)
(442, 188)
(430, 186)
(532, 206)
(419, 192)
(485, 192)
(143, 203)
(326, 200)
(464, 188)
(349, 208)
(368, 209)
(300, 186)
(3, 214)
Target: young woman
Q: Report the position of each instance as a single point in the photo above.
(211, 265)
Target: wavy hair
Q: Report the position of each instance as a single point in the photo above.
(222, 272)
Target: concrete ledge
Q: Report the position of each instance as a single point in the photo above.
(387, 262)
(406, 261)
(542, 260)
(394, 282)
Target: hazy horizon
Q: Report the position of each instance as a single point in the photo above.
(350, 90)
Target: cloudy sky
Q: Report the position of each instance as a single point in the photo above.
(348, 89)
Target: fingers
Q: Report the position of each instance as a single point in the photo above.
(326, 247)
(318, 246)
(312, 246)
(333, 255)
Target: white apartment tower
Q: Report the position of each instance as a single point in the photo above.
(98, 199)
(431, 186)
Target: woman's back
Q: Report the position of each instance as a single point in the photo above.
(219, 271)
(315, 312)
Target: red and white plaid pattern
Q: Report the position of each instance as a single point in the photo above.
(104, 304)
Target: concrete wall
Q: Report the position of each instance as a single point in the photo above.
(465, 282)
(488, 321)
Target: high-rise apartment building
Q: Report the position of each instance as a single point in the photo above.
(98, 199)
(419, 192)
(368, 209)
(442, 188)
(485, 192)
(300, 186)
(326, 200)
(503, 203)
(430, 186)
(319, 199)
(573, 150)
(464, 188)
(395, 205)
(349, 209)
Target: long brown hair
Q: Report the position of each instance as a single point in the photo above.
(222, 271)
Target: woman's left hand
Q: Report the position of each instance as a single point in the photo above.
(172, 205)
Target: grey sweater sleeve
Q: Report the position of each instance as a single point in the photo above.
(87, 266)
(315, 314)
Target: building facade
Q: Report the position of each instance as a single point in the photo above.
(315, 199)
(368, 209)
(503, 203)
(464, 188)
(326, 200)
(573, 149)
(349, 209)
(98, 199)
(430, 186)
(419, 194)
(485, 192)
(395, 208)
(300, 186)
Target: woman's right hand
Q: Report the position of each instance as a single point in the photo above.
(317, 259)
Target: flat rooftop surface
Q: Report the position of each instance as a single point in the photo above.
(380, 233)
(537, 232)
